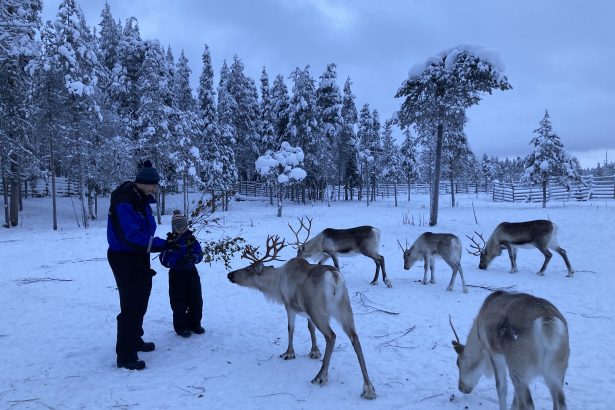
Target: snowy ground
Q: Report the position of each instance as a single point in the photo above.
(57, 337)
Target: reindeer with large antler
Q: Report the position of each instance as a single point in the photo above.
(330, 242)
(539, 234)
(317, 291)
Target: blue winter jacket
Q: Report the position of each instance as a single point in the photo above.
(184, 253)
(131, 225)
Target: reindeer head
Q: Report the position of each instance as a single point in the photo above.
(469, 362)
(409, 257)
(298, 244)
(479, 249)
(249, 276)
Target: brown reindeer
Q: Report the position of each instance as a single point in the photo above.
(317, 291)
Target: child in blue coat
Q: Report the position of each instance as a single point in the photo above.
(184, 281)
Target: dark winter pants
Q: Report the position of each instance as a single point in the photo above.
(134, 283)
(186, 298)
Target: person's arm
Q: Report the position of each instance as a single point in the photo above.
(131, 230)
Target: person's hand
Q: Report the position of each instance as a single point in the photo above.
(170, 245)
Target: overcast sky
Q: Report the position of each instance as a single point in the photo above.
(558, 54)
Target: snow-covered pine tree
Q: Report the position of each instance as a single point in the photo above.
(444, 85)
(76, 59)
(368, 144)
(19, 26)
(206, 95)
(328, 106)
(408, 158)
(390, 159)
(280, 102)
(347, 148)
(303, 125)
(549, 159)
(269, 139)
(110, 36)
(281, 168)
(376, 150)
(457, 155)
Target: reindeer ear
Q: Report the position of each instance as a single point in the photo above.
(457, 346)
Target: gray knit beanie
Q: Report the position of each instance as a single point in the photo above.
(178, 221)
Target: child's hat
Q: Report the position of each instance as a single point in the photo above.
(178, 221)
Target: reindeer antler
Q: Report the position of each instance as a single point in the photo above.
(478, 249)
(298, 243)
(452, 327)
(406, 249)
(273, 244)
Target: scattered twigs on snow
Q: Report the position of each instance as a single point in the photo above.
(367, 303)
(27, 281)
(394, 342)
(200, 391)
(280, 394)
(493, 289)
(431, 397)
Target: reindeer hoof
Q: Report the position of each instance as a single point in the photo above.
(432, 281)
(465, 290)
(369, 392)
(449, 289)
(287, 356)
(424, 282)
(374, 283)
(388, 283)
(315, 354)
(540, 273)
(320, 380)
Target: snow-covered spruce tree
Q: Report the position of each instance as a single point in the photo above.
(444, 85)
(376, 151)
(368, 148)
(487, 171)
(328, 106)
(549, 159)
(390, 160)
(457, 155)
(281, 168)
(188, 131)
(244, 118)
(280, 102)
(110, 36)
(303, 125)
(152, 117)
(76, 59)
(346, 149)
(19, 26)
(269, 139)
(408, 158)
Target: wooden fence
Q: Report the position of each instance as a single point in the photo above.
(590, 187)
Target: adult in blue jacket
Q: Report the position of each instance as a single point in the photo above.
(131, 229)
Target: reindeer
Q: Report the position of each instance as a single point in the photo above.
(429, 245)
(540, 234)
(317, 291)
(327, 244)
(523, 333)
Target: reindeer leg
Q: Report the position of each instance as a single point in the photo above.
(368, 388)
(426, 268)
(336, 263)
(375, 280)
(314, 353)
(548, 256)
(463, 281)
(557, 393)
(324, 259)
(499, 368)
(523, 397)
(290, 352)
(432, 267)
(322, 323)
(384, 273)
(563, 254)
(512, 254)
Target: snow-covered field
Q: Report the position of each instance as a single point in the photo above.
(57, 336)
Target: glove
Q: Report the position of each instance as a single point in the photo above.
(170, 245)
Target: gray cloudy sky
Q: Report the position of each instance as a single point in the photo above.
(558, 54)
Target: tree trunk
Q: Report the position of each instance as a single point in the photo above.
(395, 192)
(435, 194)
(280, 201)
(54, 202)
(5, 196)
(544, 192)
(14, 201)
(452, 178)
